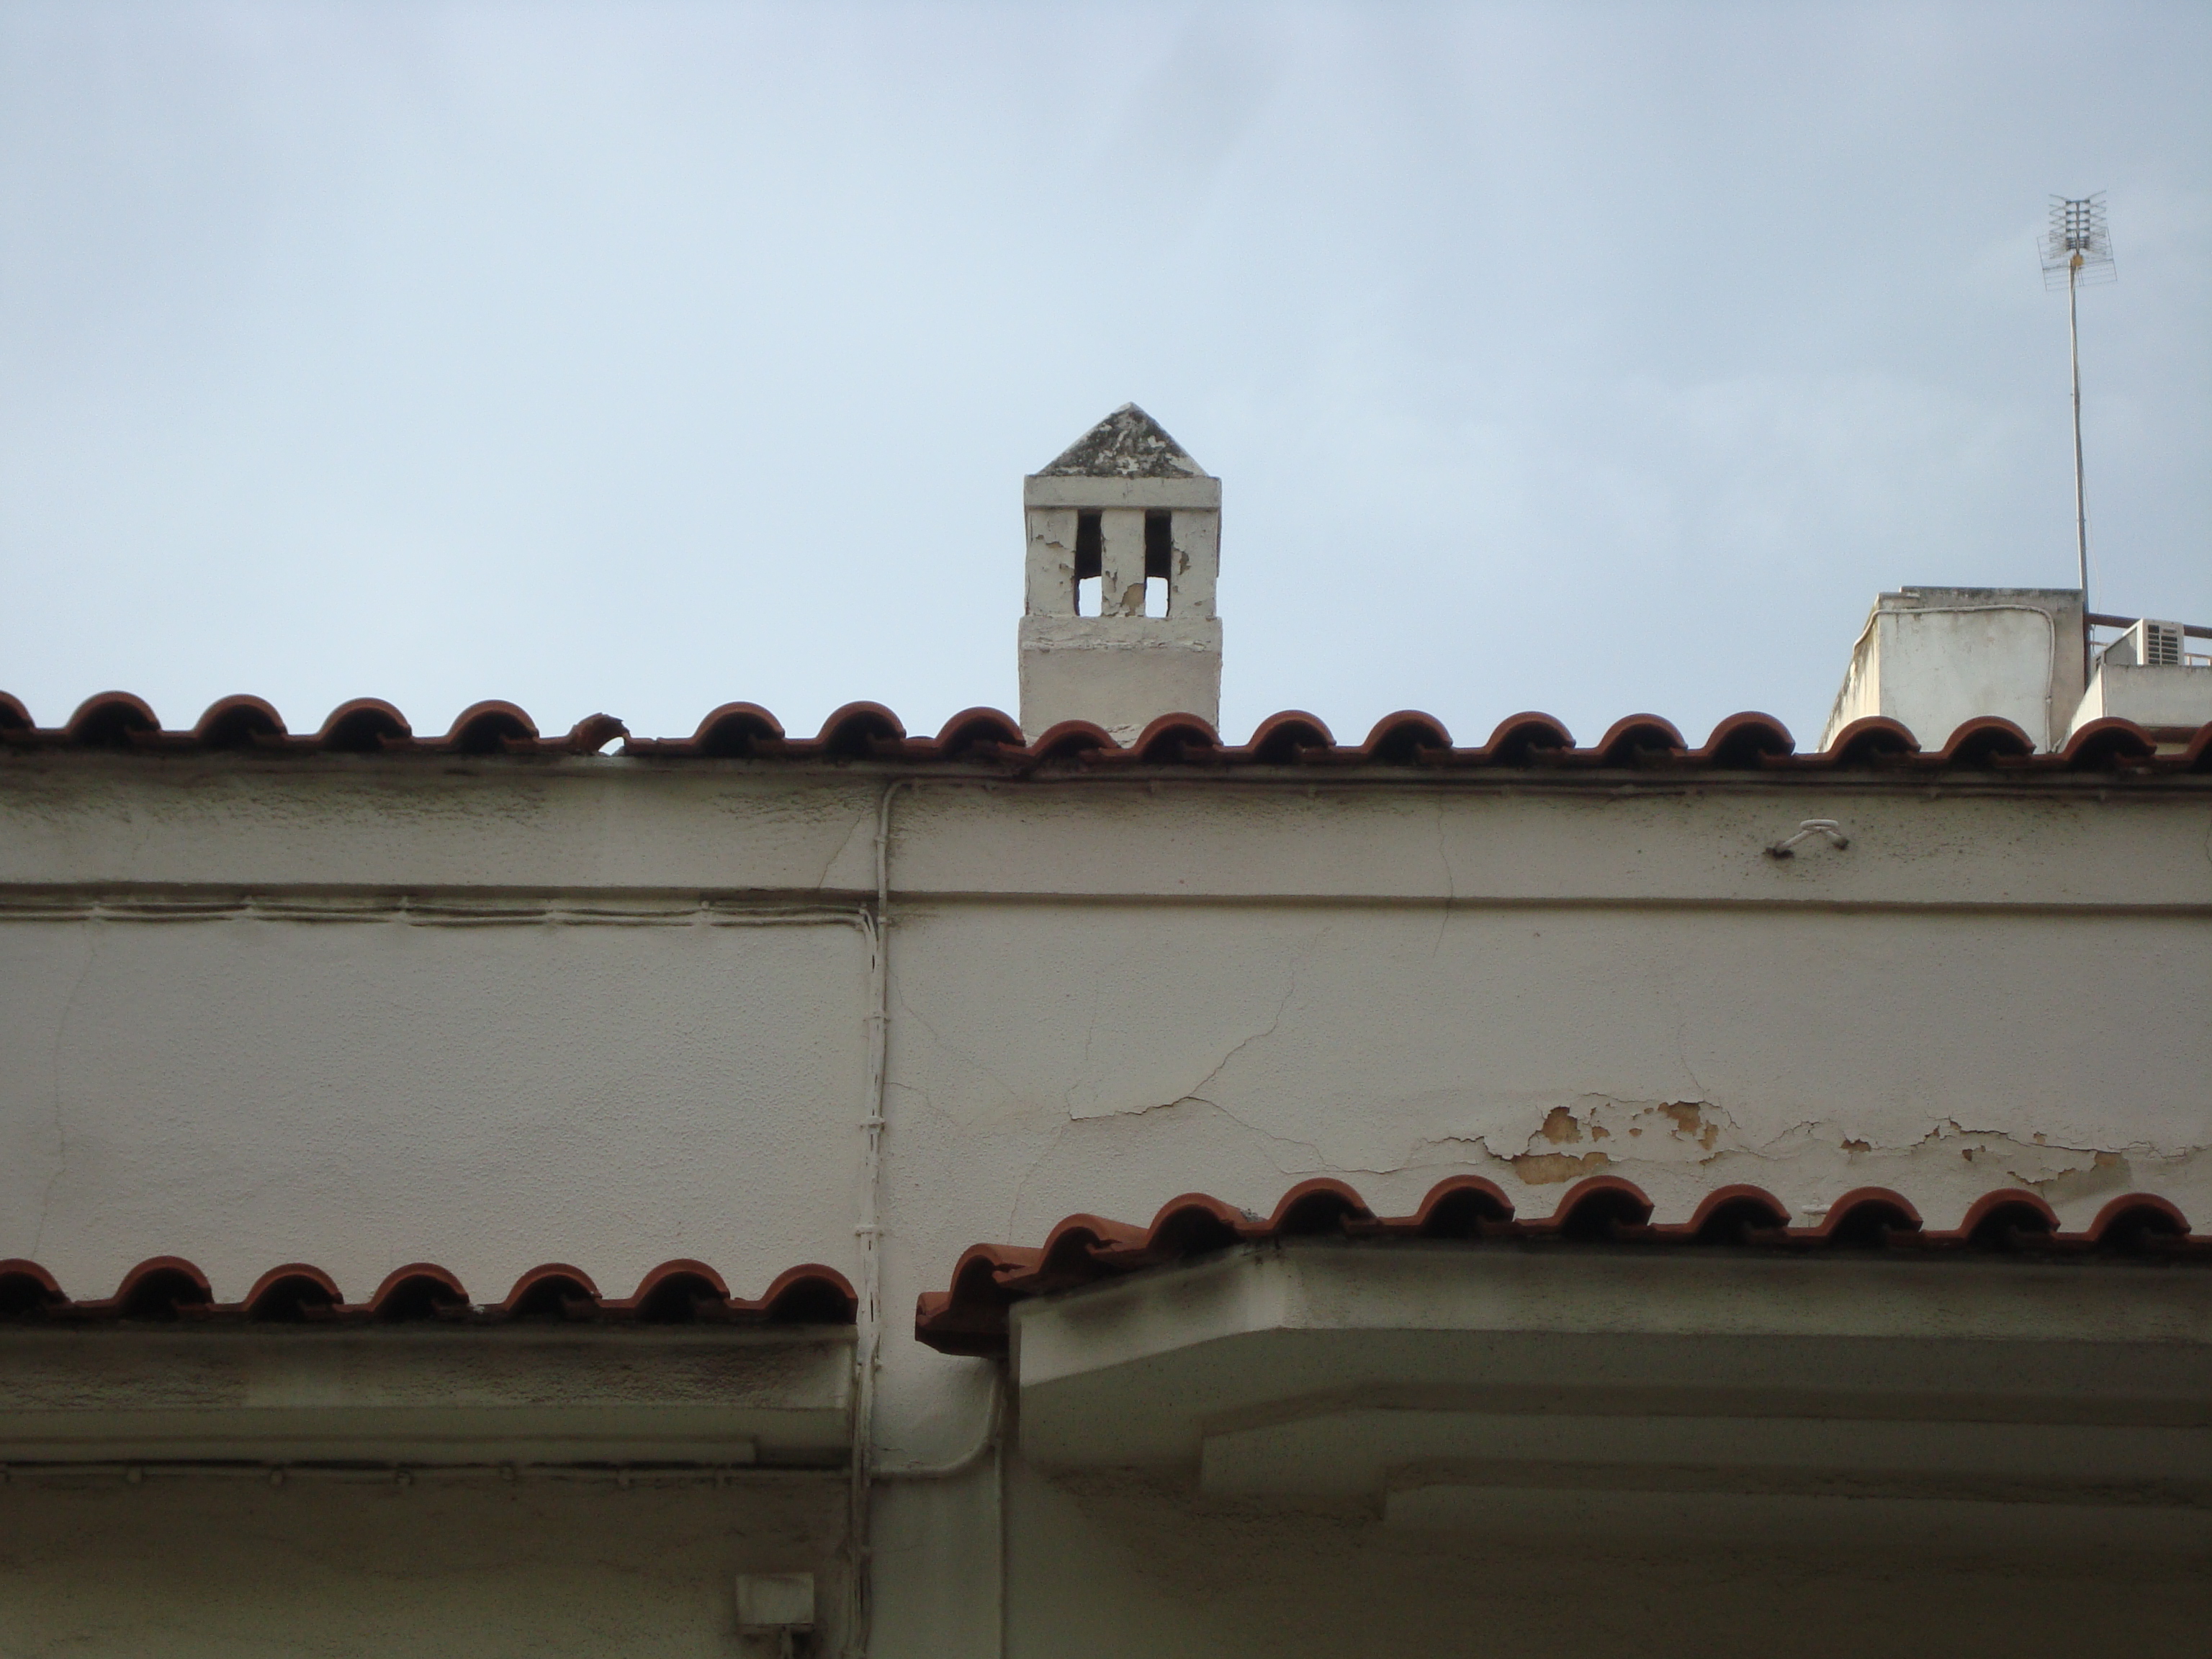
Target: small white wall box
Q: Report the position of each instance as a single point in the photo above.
(776, 1603)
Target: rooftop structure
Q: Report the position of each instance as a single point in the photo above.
(1932, 658)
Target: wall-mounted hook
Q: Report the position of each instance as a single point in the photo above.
(1811, 827)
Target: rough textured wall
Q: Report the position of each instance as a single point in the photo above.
(1106, 1567)
(364, 1094)
(238, 1569)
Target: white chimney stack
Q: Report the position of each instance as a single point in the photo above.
(1126, 506)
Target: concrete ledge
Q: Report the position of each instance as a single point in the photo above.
(433, 1396)
(1985, 1529)
(1333, 1370)
(1201, 494)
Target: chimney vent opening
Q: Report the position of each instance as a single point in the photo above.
(1090, 564)
(1159, 561)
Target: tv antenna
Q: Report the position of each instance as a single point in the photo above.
(2077, 249)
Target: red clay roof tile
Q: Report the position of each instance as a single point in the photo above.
(970, 1316)
(988, 738)
(170, 1289)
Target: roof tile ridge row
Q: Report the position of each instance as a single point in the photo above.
(1750, 741)
(170, 1288)
(969, 1316)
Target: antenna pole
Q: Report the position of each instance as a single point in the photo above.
(2078, 248)
(2081, 506)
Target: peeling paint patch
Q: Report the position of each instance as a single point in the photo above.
(2109, 1174)
(1666, 1131)
(1546, 1169)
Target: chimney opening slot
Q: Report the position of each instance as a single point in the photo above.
(1090, 564)
(1159, 544)
(1159, 561)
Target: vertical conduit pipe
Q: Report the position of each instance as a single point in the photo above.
(876, 928)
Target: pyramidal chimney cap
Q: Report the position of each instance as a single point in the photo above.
(1127, 444)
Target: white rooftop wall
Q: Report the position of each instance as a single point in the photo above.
(1934, 658)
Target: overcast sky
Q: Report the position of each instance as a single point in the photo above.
(640, 357)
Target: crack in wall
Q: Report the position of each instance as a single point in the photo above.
(1014, 1205)
(866, 822)
(958, 1053)
(1316, 1162)
(1197, 1090)
(1156, 1099)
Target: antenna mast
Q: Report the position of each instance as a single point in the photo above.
(2078, 249)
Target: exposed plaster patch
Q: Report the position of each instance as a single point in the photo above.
(1809, 1159)
(2060, 1173)
(1546, 1169)
(2108, 1175)
(1663, 1131)
(1701, 1132)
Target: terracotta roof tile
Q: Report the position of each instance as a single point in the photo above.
(2107, 743)
(236, 723)
(970, 1316)
(987, 738)
(363, 726)
(110, 718)
(1640, 740)
(1986, 740)
(1746, 740)
(1875, 740)
(170, 1289)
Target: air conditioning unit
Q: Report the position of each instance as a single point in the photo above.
(2149, 643)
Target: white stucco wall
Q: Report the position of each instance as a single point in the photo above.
(1108, 1566)
(234, 1568)
(1933, 659)
(491, 1013)
(2168, 695)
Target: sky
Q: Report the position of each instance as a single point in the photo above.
(642, 357)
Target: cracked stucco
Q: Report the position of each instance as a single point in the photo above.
(1101, 998)
(1292, 1079)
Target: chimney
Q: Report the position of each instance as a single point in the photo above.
(1124, 505)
